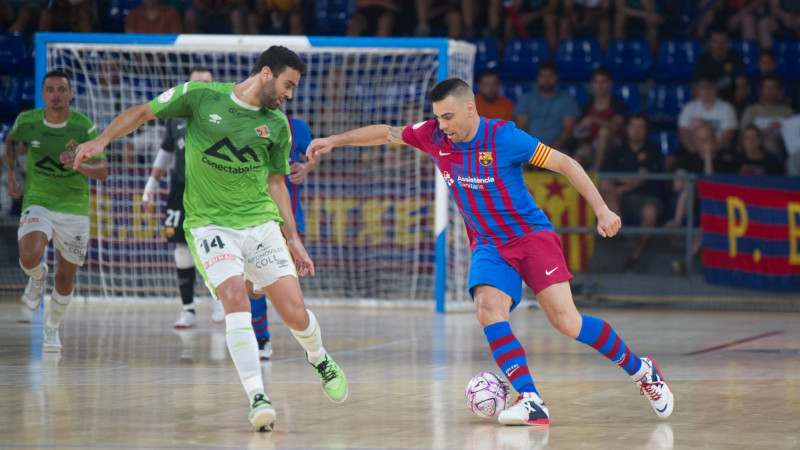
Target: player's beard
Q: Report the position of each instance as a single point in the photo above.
(269, 97)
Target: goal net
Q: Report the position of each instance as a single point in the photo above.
(369, 211)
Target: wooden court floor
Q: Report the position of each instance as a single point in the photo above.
(125, 379)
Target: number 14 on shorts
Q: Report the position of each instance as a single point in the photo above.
(216, 241)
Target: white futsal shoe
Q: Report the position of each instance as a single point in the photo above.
(34, 291)
(653, 386)
(51, 343)
(186, 320)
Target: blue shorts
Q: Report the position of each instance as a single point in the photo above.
(488, 267)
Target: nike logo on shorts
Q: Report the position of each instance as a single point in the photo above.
(548, 272)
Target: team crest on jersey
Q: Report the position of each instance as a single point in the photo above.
(262, 131)
(485, 158)
(72, 145)
(166, 95)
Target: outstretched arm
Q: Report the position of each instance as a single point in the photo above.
(608, 223)
(95, 168)
(369, 135)
(130, 119)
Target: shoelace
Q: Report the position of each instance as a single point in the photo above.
(650, 388)
(326, 373)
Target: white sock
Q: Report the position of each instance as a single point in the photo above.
(188, 307)
(35, 273)
(311, 339)
(243, 348)
(58, 306)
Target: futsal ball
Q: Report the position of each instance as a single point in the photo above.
(487, 394)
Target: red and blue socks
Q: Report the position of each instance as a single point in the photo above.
(599, 335)
(509, 356)
(258, 307)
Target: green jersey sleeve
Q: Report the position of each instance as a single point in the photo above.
(178, 101)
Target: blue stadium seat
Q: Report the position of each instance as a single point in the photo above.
(486, 56)
(117, 13)
(788, 53)
(630, 94)
(577, 58)
(629, 60)
(514, 90)
(28, 64)
(20, 91)
(5, 127)
(12, 52)
(576, 91)
(330, 17)
(135, 91)
(675, 61)
(665, 102)
(667, 140)
(749, 51)
(522, 57)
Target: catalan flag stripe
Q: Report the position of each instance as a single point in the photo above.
(541, 155)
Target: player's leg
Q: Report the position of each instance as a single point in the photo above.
(270, 266)
(218, 256)
(496, 289)
(186, 279)
(258, 308)
(35, 230)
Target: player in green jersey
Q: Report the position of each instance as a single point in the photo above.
(236, 138)
(56, 201)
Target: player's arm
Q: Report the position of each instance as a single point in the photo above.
(369, 135)
(125, 123)
(608, 223)
(299, 170)
(280, 195)
(11, 166)
(96, 169)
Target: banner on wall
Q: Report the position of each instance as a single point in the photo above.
(566, 208)
(751, 229)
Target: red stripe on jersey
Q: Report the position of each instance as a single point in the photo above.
(473, 205)
(502, 190)
(486, 195)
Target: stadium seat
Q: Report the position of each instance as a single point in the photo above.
(749, 51)
(630, 94)
(514, 90)
(12, 52)
(667, 140)
(629, 60)
(330, 17)
(522, 57)
(665, 102)
(788, 53)
(485, 55)
(28, 63)
(117, 13)
(135, 91)
(5, 128)
(19, 91)
(576, 91)
(577, 58)
(675, 61)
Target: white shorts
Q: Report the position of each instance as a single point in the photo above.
(70, 232)
(259, 253)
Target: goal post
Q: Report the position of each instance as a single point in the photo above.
(380, 225)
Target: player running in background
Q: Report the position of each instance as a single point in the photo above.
(172, 148)
(511, 238)
(56, 202)
(236, 138)
(301, 137)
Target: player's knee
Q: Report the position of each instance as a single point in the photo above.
(183, 257)
(567, 324)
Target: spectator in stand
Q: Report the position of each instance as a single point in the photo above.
(458, 16)
(588, 17)
(68, 15)
(282, 17)
(524, 16)
(208, 16)
(737, 16)
(709, 109)
(489, 102)
(602, 124)
(153, 17)
(784, 17)
(752, 159)
(545, 112)
(727, 65)
(641, 16)
(374, 18)
(20, 15)
(767, 115)
(628, 197)
(767, 63)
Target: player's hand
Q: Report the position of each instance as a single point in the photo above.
(319, 147)
(304, 264)
(87, 150)
(298, 172)
(149, 201)
(13, 187)
(608, 223)
(67, 158)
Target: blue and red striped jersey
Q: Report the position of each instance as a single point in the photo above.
(301, 137)
(485, 177)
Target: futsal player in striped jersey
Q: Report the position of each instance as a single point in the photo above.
(511, 238)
